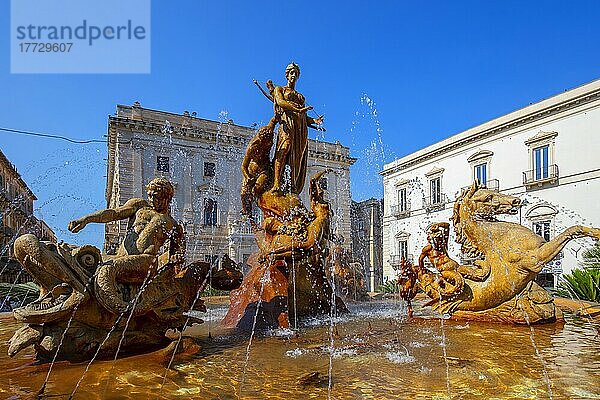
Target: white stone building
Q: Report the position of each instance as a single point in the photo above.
(546, 153)
(202, 158)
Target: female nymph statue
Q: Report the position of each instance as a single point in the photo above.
(292, 135)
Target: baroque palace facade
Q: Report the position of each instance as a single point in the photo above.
(545, 153)
(203, 158)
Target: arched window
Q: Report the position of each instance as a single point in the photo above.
(402, 248)
(541, 217)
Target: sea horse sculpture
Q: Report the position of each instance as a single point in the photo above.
(93, 303)
(500, 287)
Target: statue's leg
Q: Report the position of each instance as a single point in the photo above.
(264, 180)
(279, 163)
(549, 250)
(133, 269)
(125, 269)
(478, 272)
(246, 196)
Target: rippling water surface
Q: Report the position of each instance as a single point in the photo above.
(377, 354)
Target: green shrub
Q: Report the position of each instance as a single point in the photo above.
(582, 284)
(388, 287)
(18, 294)
(591, 257)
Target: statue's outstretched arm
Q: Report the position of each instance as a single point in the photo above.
(423, 255)
(315, 123)
(125, 211)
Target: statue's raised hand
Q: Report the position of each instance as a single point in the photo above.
(77, 225)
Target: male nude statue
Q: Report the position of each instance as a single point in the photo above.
(437, 253)
(150, 226)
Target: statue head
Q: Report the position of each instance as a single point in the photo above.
(484, 204)
(437, 235)
(292, 72)
(160, 192)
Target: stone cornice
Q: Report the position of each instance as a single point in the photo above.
(16, 175)
(236, 137)
(554, 105)
(541, 136)
(335, 157)
(481, 154)
(434, 172)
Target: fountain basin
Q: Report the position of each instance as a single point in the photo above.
(377, 354)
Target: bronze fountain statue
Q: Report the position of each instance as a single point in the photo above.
(90, 303)
(500, 285)
(287, 278)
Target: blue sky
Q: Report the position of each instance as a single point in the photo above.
(391, 77)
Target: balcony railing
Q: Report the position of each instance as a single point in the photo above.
(435, 203)
(491, 184)
(396, 258)
(400, 212)
(540, 176)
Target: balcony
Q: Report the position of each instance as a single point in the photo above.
(396, 258)
(491, 184)
(538, 177)
(435, 203)
(398, 212)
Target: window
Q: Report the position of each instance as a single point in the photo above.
(1, 182)
(210, 212)
(435, 200)
(540, 162)
(403, 249)
(209, 169)
(402, 200)
(162, 164)
(480, 173)
(435, 190)
(542, 228)
(480, 165)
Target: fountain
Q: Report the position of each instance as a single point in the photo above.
(85, 296)
(113, 311)
(292, 240)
